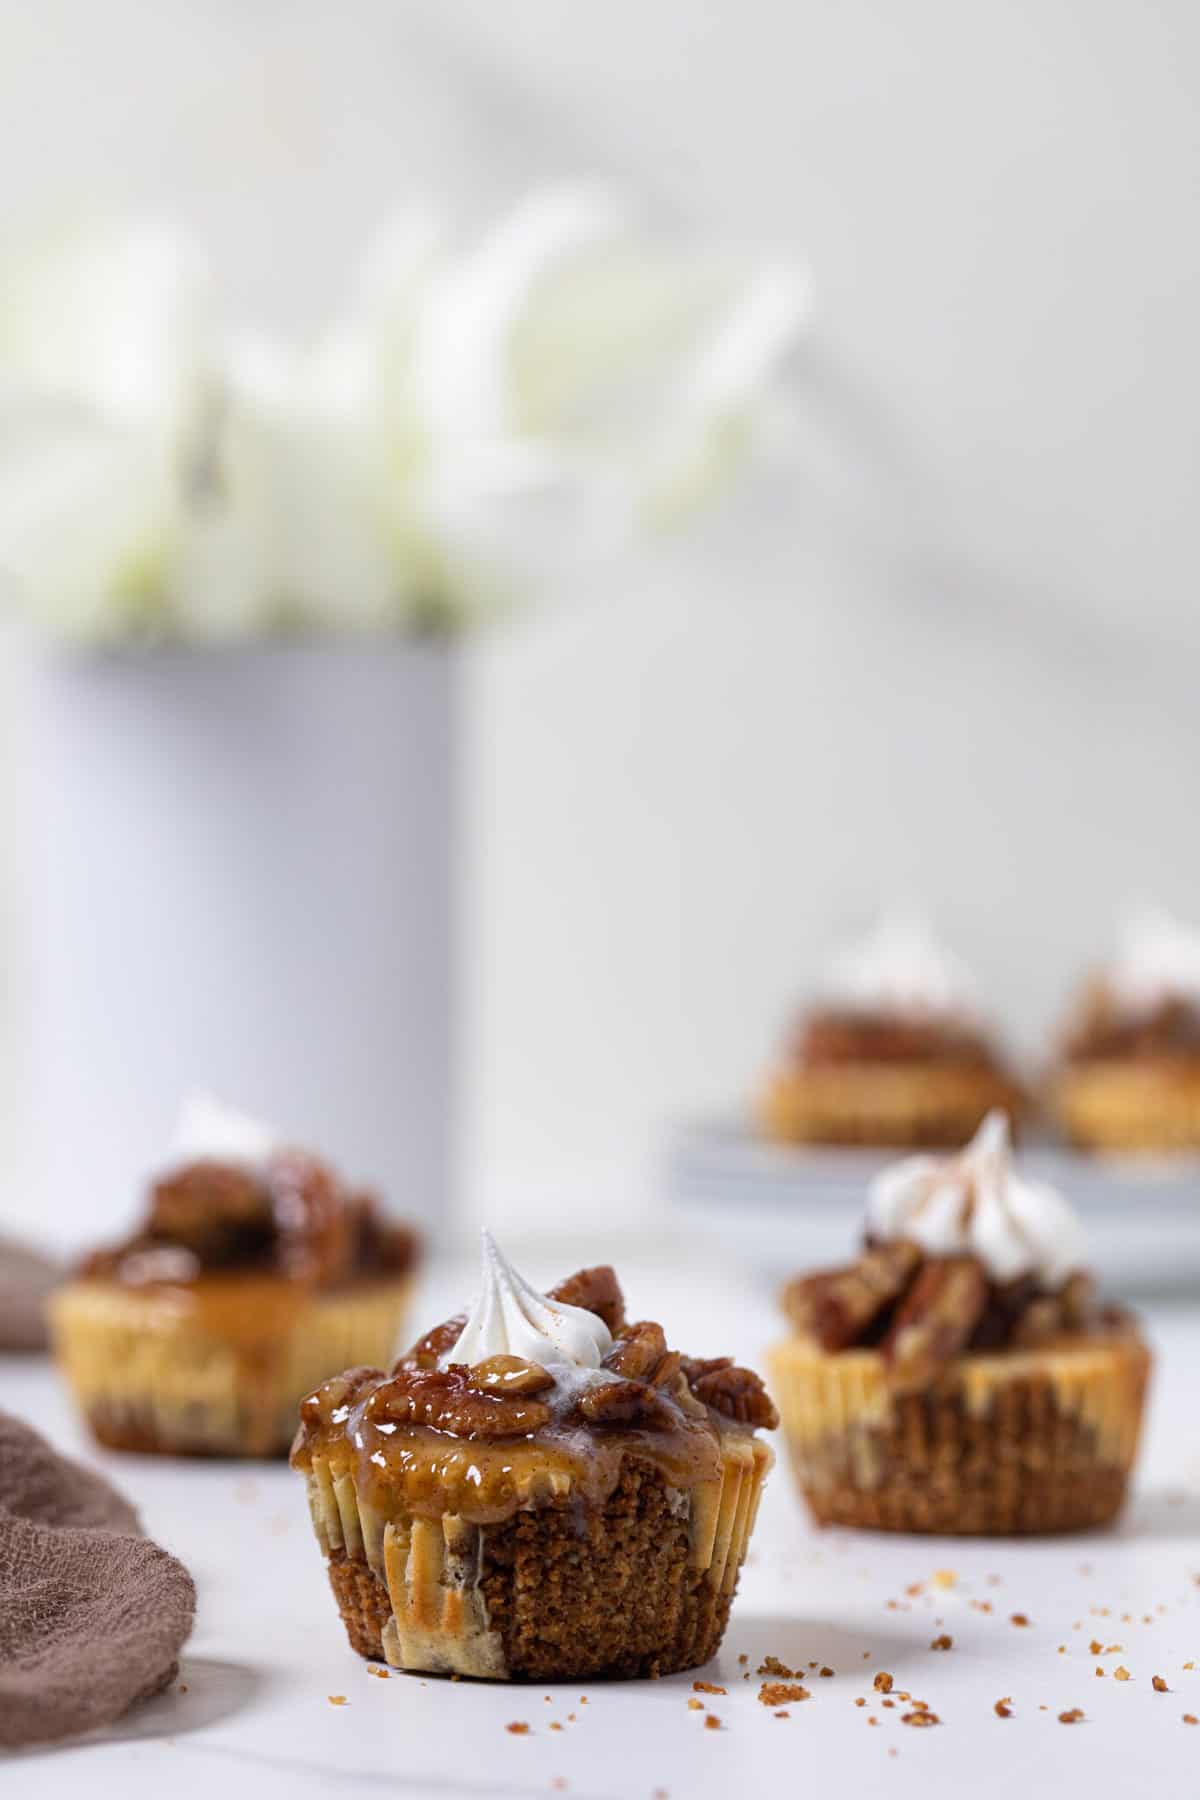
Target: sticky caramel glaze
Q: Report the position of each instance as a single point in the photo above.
(416, 1470)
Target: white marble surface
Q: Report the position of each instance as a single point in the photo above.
(268, 1651)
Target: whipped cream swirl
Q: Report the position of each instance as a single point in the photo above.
(510, 1318)
(974, 1204)
(900, 968)
(208, 1131)
(1157, 960)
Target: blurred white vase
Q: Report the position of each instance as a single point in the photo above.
(236, 875)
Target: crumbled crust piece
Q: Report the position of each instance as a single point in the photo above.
(944, 1642)
(1159, 1685)
(771, 1665)
(883, 1682)
(922, 1716)
(1003, 1708)
(782, 1693)
(518, 1728)
(1073, 1717)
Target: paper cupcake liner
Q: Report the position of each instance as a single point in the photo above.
(149, 1375)
(912, 1104)
(640, 1585)
(1017, 1441)
(1129, 1106)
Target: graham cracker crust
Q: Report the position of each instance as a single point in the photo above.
(571, 1591)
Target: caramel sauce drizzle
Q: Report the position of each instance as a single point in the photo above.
(422, 1471)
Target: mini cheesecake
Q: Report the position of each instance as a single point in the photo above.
(537, 1491)
(893, 1052)
(960, 1377)
(1127, 1074)
(255, 1273)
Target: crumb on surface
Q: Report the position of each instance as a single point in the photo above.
(785, 1714)
(1096, 1647)
(1071, 1717)
(944, 1578)
(1099, 1670)
(1159, 1685)
(695, 1705)
(1190, 1719)
(518, 1727)
(1121, 1673)
(826, 1670)
(943, 1642)
(1189, 1665)
(337, 1699)
(771, 1665)
(860, 1701)
(920, 1717)
(743, 1658)
(1003, 1708)
(1019, 1619)
(704, 1687)
(883, 1682)
(711, 1722)
(554, 1725)
(781, 1693)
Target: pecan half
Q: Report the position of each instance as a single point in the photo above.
(934, 1321)
(626, 1403)
(328, 1404)
(737, 1394)
(638, 1352)
(429, 1350)
(838, 1307)
(220, 1212)
(446, 1400)
(596, 1291)
(316, 1233)
(1078, 1299)
(510, 1375)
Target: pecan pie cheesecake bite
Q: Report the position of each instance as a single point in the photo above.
(255, 1273)
(539, 1490)
(960, 1376)
(893, 1052)
(1128, 1069)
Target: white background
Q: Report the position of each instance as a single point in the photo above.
(953, 658)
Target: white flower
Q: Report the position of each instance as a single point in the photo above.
(558, 385)
(102, 387)
(481, 416)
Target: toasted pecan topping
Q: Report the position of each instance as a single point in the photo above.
(429, 1350)
(447, 1400)
(596, 1291)
(736, 1394)
(934, 1320)
(637, 1354)
(510, 1375)
(626, 1403)
(837, 1307)
(293, 1217)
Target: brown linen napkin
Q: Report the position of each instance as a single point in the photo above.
(92, 1617)
(26, 1281)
